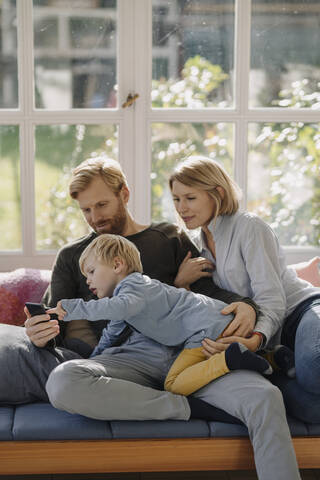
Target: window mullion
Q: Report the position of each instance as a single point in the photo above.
(26, 106)
(25, 56)
(242, 72)
(142, 132)
(125, 55)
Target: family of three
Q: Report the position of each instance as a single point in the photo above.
(48, 360)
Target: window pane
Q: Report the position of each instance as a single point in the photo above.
(171, 143)
(10, 204)
(58, 218)
(285, 58)
(192, 57)
(284, 179)
(8, 55)
(75, 54)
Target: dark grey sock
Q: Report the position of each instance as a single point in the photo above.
(238, 357)
(205, 411)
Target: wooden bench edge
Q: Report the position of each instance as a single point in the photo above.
(140, 455)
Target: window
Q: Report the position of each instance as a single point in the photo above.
(238, 81)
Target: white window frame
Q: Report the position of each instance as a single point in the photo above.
(240, 116)
(134, 65)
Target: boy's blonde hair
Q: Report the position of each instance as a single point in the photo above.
(108, 169)
(205, 174)
(107, 247)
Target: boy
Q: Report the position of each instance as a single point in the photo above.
(166, 314)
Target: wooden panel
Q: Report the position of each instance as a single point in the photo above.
(307, 451)
(106, 456)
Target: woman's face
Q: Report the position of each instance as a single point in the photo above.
(195, 207)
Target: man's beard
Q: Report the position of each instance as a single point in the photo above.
(116, 224)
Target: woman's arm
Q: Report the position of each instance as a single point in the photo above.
(265, 265)
(205, 285)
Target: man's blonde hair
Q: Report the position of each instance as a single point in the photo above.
(205, 174)
(108, 169)
(107, 247)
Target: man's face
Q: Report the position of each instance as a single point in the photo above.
(104, 211)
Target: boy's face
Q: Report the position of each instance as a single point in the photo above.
(102, 279)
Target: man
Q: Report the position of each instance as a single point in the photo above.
(125, 382)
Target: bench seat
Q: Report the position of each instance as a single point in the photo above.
(39, 439)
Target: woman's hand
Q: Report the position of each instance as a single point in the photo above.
(244, 321)
(238, 330)
(211, 347)
(191, 269)
(40, 329)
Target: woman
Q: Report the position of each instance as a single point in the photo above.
(248, 259)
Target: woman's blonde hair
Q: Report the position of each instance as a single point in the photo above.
(107, 247)
(205, 174)
(108, 169)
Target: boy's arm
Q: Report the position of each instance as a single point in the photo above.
(102, 345)
(115, 309)
(124, 305)
(110, 337)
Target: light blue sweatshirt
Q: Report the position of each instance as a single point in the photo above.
(250, 261)
(171, 316)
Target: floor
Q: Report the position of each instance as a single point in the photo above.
(243, 475)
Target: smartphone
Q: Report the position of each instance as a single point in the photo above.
(38, 309)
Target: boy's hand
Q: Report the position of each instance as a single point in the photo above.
(58, 310)
(211, 347)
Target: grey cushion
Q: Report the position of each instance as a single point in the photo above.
(6, 421)
(40, 421)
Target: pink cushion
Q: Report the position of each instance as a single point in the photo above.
(309, 271)
(16, 288)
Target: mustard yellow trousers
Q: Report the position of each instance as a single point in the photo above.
(192, 370)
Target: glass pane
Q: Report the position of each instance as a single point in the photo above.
(10, 203)
(8, 55)
(75, 54)
(192, 55)
(285, 57)
(58, 218)
(171, 143)
(284, 179)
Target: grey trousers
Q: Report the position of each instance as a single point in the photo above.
(24, 368)
(125, 383)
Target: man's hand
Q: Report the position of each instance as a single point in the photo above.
(244, 321)
(58, 310)
(211, 347)
(191, 269)
(40, 329)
